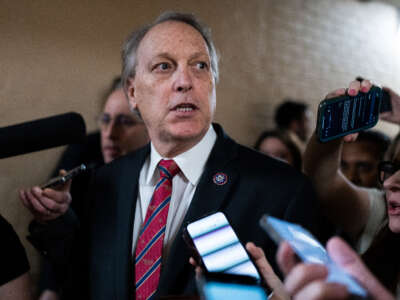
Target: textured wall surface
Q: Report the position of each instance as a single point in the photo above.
(58, 56)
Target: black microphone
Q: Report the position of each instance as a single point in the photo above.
(59, 130)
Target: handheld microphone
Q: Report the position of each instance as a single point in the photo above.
(41, 134)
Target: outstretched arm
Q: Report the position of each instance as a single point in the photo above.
(339, 199)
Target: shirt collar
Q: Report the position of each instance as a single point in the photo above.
(191, 162)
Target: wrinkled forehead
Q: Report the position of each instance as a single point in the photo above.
(172, 37)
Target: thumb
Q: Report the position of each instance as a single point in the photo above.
(345, 257)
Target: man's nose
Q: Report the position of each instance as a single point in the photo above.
(183, 81)
(354, 176)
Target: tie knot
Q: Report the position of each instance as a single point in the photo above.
(168, 168)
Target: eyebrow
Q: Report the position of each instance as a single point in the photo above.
(193, 56)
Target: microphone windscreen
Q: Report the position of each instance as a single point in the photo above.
(41, 134)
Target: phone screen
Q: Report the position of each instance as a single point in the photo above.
(309, 250)
(219, 246)
(216, 286)
(346, 114)
(214, 290)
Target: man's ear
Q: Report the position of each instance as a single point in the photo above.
(131, 94)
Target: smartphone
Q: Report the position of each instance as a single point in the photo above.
(309, 250)
(64, 178)
(218, 248)
(218, 286)
(346, 114)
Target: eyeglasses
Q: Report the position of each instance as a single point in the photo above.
(387, 169)
(121, 120)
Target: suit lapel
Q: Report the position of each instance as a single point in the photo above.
(127, 190)
(216, 182)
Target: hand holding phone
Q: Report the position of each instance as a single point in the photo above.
(218, 247)
(64, 178)
(310, 250)
(347, 114)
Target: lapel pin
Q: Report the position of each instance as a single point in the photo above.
(220, 178)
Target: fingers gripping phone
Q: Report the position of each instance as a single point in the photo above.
(218, 247)
(310, 250)
(64, 178)
(343, 115)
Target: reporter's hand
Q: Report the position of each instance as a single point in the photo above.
(267, 273)
(307, 281)
(47, 204)
(392, 116)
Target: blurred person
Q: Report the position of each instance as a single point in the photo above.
(369, 217)
(295, 117)
(121, 131)
(360, 159)
(190, 168)
(278, 145)
(15, 281)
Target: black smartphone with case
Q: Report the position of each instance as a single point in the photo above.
(64, 178)
(346, 114)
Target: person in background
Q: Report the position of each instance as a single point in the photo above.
(15, 281)
(121, 132)
(278, 145)
(369, 217)
(360, 159)
(295, 118)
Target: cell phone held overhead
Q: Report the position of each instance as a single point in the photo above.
(346, 114)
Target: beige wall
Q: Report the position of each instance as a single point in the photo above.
(57, 56)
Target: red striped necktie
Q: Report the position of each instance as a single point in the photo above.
(150, 243)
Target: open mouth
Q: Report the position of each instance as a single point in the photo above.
(185, 107)
(393, 207)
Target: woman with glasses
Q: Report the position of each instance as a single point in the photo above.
(369, 217)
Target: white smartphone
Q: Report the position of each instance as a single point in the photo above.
(218, 246)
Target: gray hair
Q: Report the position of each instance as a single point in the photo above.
(131, 45)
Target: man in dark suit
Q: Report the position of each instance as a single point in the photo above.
(169, 74)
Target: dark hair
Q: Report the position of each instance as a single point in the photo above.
(285, 139)
(131, 45)
(391, 152)
(382, 258)
(288, 111)
(115, 85)
(379, 139)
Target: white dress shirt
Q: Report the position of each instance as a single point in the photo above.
(184, 185)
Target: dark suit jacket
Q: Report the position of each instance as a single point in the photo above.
(256, 185)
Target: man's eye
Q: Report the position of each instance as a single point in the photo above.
(162, 66)
(201, 65)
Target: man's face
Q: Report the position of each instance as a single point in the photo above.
(359, 163)
(173, 88)
(274, 147)
(305, 126)
(121, 130)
